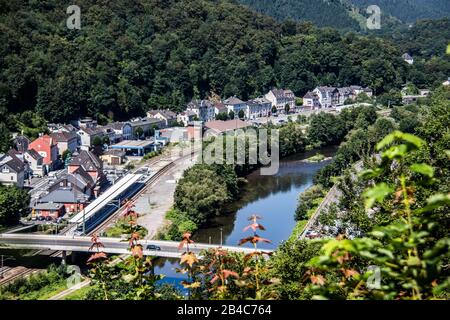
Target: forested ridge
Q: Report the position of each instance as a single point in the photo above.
(133, 55)
(348, 14)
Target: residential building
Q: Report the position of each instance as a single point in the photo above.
(35, 163)
(146, 124)
(86, 123)
(235, 105)
(328, 96)
(79, 181)
(220, 108)
(118, 131)
(66, 141)
(204, 109)
(113, 157)
(12, 170)
(169, 117)
(345, 93)
(61, 127)
(89, 162)
(187, 117)
(71, 200)
(280, 98)
(89, 135)
(21, 143)
(407, 58)
(259, 107)
(219, 127)
(447, 82)
(48, 211)
(47, 147)
(310, 99)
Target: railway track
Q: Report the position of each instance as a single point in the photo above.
(18, 272)
(113, 218)
(23, 271)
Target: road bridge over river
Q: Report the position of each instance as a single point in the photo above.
(168, 249)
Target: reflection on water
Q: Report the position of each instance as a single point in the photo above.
(272, 197)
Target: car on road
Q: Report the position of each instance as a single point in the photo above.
(152, 247)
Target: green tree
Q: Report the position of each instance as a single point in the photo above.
(241, 114)
(14, 204)
(287, 107)
(5, 138)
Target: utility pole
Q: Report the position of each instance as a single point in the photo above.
(84, 221)
(221, 236)
(2, 263)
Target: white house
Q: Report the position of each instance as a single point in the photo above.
(12, 170)
(408, 59)
(280, 98)
(204, 109)
(310, 99)
(186, 117)
(169, 117)
(35, 163)
(88, 135)
(236, 105)
(328, 96)
(259, 107)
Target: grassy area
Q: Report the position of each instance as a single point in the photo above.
(120, 228)
(40, 286)
(300, 226)
(298, 229)
(317, 158)
(80, 294)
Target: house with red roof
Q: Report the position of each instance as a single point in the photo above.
(47, 147)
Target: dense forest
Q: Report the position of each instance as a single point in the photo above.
(133, 55)
(409, 10)
(322, 13)
(349, 14)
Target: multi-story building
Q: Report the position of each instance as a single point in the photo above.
(35, 163)
(12, 170)
(204, 109)
(328, 96)
(89, 162)
(280, 98)
(311, 100)
(169, 117)
(88, 135)
(259, 107)
(47, 147)
(235, 105)
(66, 141)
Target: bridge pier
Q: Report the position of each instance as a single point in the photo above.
(64, 258)
(73, 257)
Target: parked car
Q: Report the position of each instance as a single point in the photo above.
(152, 247)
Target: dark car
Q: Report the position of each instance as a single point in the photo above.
(152, 247)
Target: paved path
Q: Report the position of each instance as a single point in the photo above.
(157, 199)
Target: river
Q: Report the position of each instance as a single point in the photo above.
(274, 198)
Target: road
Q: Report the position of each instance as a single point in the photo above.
(169, 249)
(153, 204)
(332, 197)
